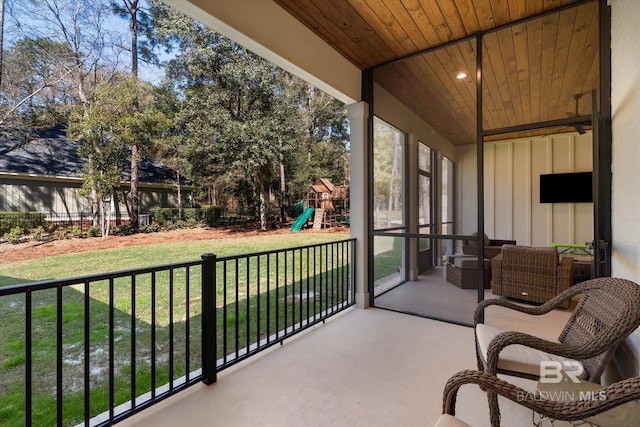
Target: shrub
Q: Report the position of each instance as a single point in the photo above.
(125, 230)
(24, 220)
(94, 231)
(151, 228)
(170, 217)
(212, 215)
(14, 235)
(60, 233)
(169, 226)
(38, 233)
(181, 224)
(165, 215)
(192, 215)
(76, 231)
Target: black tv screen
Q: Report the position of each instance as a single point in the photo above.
(573, 187)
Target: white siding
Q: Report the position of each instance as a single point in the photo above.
(61, 198)
(512, 190)
(625, 103)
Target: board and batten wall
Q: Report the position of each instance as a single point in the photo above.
(512, 170)
(625, 210)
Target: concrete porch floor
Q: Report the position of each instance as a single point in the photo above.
(368, 367)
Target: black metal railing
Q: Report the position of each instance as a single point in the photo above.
(84, 221)
(97, 349)
(269, 296)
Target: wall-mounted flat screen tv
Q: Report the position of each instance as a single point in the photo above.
(573, 187)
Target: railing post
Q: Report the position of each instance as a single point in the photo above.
(352, 285)
(209, 353)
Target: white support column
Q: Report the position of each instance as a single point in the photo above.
(359, 196)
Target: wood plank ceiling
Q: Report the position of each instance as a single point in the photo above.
(532, 71)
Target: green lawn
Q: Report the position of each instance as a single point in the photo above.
(103, 261)
(387, 256)
(250, 301)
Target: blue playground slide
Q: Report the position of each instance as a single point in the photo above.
(302, 219)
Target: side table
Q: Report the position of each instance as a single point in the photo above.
(462, 271)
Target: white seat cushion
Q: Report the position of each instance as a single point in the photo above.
(517, 358)
(447, 420)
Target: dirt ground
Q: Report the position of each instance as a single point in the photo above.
(35, 249)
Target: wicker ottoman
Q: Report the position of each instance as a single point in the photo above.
(461, 271)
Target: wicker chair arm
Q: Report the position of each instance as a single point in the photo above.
(479, 311)
(553, 303)
(616, 394)
(532, 310)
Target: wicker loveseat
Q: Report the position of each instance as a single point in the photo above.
(530, 274)
(492, 247)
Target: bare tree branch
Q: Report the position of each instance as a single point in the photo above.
(34, 93)
(1, 36)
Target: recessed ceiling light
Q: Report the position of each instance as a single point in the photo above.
(461, 75)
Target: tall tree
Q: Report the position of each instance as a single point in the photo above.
(238, 135)
(322, 151)
(387, 158)
(108, 127)
(78, 25)
(138, 18)
(266, 130)
(171, 147)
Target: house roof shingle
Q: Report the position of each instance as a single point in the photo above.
(52, 154)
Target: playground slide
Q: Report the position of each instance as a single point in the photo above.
(302, 219)
(297, 209)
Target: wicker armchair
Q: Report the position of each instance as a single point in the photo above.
(530, 274)
(492, 247)
(616, 394)
(607, 313)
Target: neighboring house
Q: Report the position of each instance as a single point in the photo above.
(45, 175)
